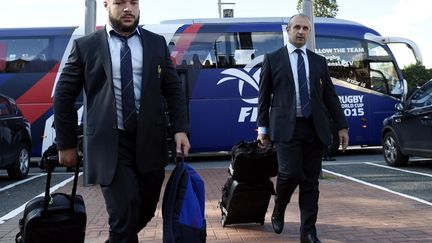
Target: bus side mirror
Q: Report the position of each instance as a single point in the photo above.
(399, 106)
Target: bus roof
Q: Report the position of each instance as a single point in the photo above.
(36, 31)
(254, 20)
(324, 26)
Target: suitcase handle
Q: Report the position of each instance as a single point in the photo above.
(51, 161)
(256, 146)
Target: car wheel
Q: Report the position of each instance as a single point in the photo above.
(392, 153)
(20, 168)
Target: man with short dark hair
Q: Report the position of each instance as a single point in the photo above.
(296, 100)
(128, 77)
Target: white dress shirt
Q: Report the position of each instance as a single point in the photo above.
(136, 47)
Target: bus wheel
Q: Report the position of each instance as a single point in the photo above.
(333, 147)
(392, 153)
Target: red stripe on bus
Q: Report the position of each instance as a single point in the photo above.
(185, 42)
(3, 54)
(38, 95)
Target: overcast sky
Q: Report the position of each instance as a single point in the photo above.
(402, 18)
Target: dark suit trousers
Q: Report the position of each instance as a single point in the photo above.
(132, 197)
(300, 165)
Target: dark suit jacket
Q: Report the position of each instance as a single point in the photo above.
(277, 97)
(89, 67)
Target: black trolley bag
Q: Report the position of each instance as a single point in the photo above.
(56, 217)
(245, 202)
(247, 191)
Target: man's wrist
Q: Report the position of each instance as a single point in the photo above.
(262, 130)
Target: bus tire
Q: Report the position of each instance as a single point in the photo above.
(391, 151)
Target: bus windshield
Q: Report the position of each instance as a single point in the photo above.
(361, 62)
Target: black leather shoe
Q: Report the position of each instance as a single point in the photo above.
(277, 221)
(309, 238)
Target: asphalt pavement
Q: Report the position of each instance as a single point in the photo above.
(352, 209)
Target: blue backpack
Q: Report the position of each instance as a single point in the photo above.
(183, 206)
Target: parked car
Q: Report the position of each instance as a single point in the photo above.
(408, 132)
(15, 139)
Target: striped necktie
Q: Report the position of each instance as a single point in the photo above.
(127, 84)
(303, 87)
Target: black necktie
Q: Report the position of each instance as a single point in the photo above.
(127, 84)
(303, 87)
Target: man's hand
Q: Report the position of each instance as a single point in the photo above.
(68, 157)
(343, 138)
(182, 143)
(263, 140)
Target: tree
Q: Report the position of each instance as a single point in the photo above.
(416, 75)
(323, 8)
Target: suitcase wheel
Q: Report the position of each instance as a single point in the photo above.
(223, 220)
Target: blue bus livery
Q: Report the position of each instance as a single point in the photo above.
(219, 62)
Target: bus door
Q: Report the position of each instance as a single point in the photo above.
(386, 80)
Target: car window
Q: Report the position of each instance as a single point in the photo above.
(4, 108)
(422, 98)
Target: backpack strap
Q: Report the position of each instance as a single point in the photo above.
(169, 199)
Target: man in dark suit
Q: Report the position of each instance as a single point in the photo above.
(128, 77)
(296, 101)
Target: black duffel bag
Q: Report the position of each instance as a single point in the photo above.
(249, 162)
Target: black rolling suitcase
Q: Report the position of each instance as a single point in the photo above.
(245, 202)
(247, 191)
(54, 218)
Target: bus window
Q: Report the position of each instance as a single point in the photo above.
(222, 50)
(185, 46)
(240, 48)
(225, 47)
(25, 55)
(360, 62)
(384, 78)
(346, 59)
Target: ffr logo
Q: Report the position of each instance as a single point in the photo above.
(248, 112)
(245, 76)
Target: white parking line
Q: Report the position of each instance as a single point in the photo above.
(20, 182)
(398, 169)
(341, 163)
(378, 187)
(33, 176)
(18, 210)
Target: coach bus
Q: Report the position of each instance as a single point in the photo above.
(219, 61)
